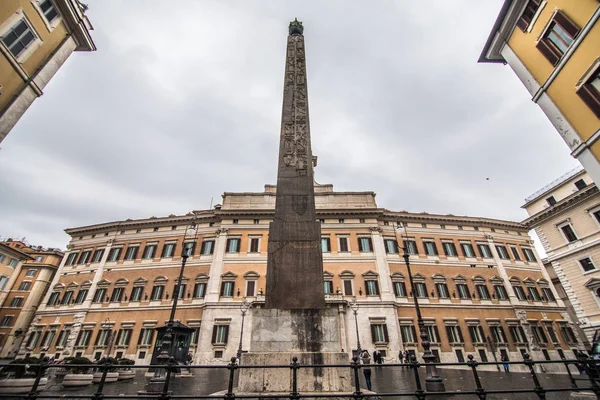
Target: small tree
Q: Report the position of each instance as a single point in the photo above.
(20, 368)
(78, 361)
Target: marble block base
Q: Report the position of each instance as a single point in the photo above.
(313, 379)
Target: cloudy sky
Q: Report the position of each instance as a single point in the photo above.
(182, 102)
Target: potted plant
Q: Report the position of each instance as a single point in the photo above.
(79, 375)
(19, 376)
(126, 373)
(111, 376)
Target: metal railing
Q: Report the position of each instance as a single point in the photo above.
(587, 381)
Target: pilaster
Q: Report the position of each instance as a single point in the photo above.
(381, 265)
(216, 267)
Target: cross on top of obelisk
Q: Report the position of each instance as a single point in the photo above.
(296, 27)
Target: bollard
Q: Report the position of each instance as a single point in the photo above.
(294, 395)
(414, 364)
(473, 364)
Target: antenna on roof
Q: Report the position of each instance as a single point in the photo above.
(211, 201)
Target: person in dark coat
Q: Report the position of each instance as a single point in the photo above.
(366, 361)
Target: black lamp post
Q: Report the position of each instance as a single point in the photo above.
(244, 308)
(167, 339)
(433, 382)
(354, 307)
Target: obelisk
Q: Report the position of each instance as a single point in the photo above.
(295, 262)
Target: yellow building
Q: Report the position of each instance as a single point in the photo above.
(553, 46)
(31, 268)
(36, 38)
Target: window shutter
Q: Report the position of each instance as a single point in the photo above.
(522, 23)
(395, 284)
(543, 335)
(212, 247)
(396, 246)
(591, 98)
(214, 334)
(548, 51)
(202, 247)
(222, 289)
(232, 289)
(226, 333)
(472, 334)
(348, 288)
(403, 335)
(227, 245)
(563, 20)
(460, 335)
(152, 336)
(118, 336)
(483, 338)
(135, 252)
(377, 287)
(385, 333)
(414, 334)
(403, 288)
(98, 338)
(373, 337)
(449, 334)
(513, 335)
(425, 287)
(370, 244)
(140, 337)
(437, 333)
(328, 244)
(250, 289)
(503, 333)
(360, 247)
(193, 250)
(523, 335)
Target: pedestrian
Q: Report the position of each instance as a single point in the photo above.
(407, 358)
(189, 361)
(401, 357)
(366, 361)
(504, 360)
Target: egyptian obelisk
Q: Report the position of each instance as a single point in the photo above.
(295, 262)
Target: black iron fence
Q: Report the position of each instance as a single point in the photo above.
(583, 375)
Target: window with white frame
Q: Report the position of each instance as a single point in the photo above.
(227, 288)
(200, 286)
(433, 333)
(254, 245)
(517, 333)
(124, 337)
(3, 281)
(347, 282)
(498, 334)
(568, 232)
(343, 243)
(48, 10)
(233, 245)
(19, 37)
(220, 334)
(408, 333)
(365, 244)
(379, 333)
(587, 264)
(476, 333)
(372, 287)
(146, 337)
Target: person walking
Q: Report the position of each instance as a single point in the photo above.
(504, 360)
(366, 361)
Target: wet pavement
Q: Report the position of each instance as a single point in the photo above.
(384, 379)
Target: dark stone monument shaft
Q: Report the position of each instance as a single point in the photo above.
(295, 261)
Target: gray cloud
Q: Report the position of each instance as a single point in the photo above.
(182, 102)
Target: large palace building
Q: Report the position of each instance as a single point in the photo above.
(479, 282)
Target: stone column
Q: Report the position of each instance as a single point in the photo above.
(342, 322)
(216, 267)
(383, 269)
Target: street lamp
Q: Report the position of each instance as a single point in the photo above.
(492, 343)
(354, 307)
(244, 308)
(433, 382)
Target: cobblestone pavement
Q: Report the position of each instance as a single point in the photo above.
(385, 380)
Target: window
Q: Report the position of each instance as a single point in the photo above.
(99, 295)
(421, 289)
(519, 292)
(476, 333)
(174, 227)
(149, 251)
(569, 233)
(220, 334)
(13, 262)
(117, 294)
(343, 244)
(146, 337)
(463, 291)
(502, 252)
(328, 287)
(482, 291)
(433, 333)
(325, 244)
(155, 229)
(568, 334)
(551, 333)
(454, 334)
(442, 290)
(251, 286)
(233, 245)
(81, 295)
(372, 287)
(399, 289)
(589, 92)
(103, 337)
(391, 246)
(180, 289)
(498, 335)
(194, 337)
(341, 220)
(48, 338)
(114, 254)
(33, 339)
(208, 247)
(449, 249)
(528, 15)
(587, 264)
(227, 288)
(39, 259)
(501, 292)
(31, 272)
(67, 297)
(199, 289)
(483, 355)
(168, 250)
(459, 355)
(6, 320)
(408, 333)
(2, 258)
(190, 247)
(16, 302)
(136, 293)
(580, 184)
(365, 244)
(157, 292)
(254, 244)
(430, 248)
(551, 201)
(484, 250)
(18, 38)
(98, 255)
(548, 294)
(515, 253)
(348, 287)
(529, 255)
(235, 221)
(538, 334)
(533, 293)
(25, 285)
(84, 258)
(467, 250)
(131, 252)
(124, 337)
(411, 246)
(557, 38)
(423, 225)
(256, 221)
(53, 299)
(379, 333)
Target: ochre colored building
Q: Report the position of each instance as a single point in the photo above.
(31, 269)
(479, 281)
(36, 38)
(553, 46)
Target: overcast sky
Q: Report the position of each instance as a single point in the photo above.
(182, 102)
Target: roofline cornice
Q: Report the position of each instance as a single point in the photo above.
(563, 205)
(454, 219)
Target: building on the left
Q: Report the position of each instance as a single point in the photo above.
(25, 275)
(36, 38)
